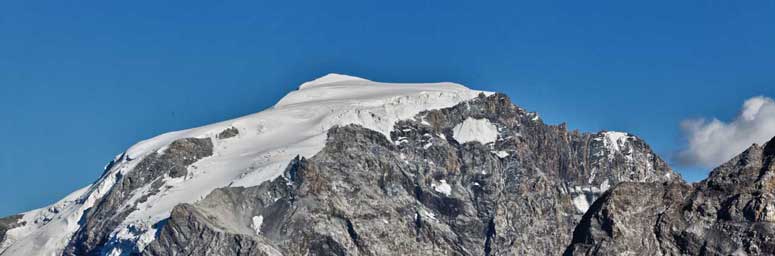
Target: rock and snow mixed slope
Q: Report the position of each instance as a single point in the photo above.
(266, 142)
(496, 157)
(422, 191)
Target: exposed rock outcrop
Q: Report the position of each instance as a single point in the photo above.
(732, 212)
(228, 133)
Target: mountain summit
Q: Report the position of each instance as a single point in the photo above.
(346, 166)
(331, 79)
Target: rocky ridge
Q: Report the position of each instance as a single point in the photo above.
(732, 212)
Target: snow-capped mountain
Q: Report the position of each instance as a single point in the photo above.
(336, 166)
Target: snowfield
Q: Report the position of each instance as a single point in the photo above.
(266, 143)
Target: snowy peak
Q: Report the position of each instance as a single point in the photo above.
(245, 152)
(354, 91)
(329, 79)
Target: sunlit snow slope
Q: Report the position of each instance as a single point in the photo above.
(265, 144)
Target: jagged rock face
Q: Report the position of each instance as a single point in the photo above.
(732, 212)
(421, 192)
(99, 221)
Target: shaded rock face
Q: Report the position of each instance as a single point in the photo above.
(732, 212)
(99, 221)
(421, 192)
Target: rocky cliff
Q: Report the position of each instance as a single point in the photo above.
(732, 212)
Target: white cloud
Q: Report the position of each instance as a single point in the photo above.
(713, 142)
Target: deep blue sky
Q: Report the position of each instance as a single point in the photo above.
(82, 81)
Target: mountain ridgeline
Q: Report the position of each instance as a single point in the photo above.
(357, 171)
(419, 192)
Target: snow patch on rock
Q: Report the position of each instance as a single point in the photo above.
(501, 153)
(257, 222)
(471, 129)
(443, 188)
(581, 203)
(615, 141)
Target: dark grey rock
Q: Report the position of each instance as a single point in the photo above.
(190, 224)
(732, 212)
(228, 133)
